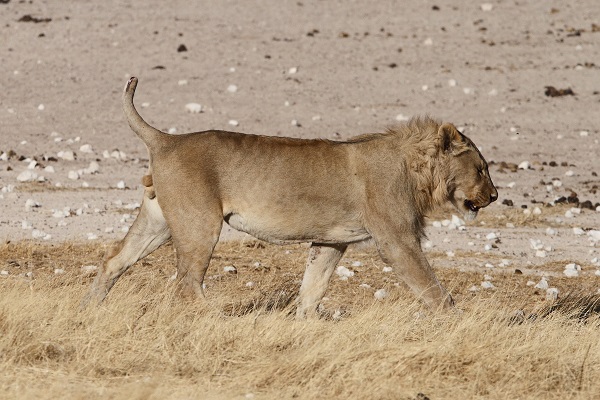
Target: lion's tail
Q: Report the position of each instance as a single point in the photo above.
(149, 135)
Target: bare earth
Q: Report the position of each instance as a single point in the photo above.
(309, 69)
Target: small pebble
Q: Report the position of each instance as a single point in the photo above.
(232, 88)
(193, 108)
(381, 294)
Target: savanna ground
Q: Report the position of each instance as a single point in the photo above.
(337, 68)
(145, 343)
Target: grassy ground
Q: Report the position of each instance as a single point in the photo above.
(144, 343)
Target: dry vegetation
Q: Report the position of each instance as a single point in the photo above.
(144, 343)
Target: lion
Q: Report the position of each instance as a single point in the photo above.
(330, 194)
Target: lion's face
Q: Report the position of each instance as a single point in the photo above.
(472, 188)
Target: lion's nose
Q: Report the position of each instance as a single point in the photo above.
(494, 196)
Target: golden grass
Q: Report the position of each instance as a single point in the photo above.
(144, 343)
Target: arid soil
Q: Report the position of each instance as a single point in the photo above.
(521, 79)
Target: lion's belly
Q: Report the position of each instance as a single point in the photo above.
(282, 229)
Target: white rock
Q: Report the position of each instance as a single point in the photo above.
(232, 88)
(387, 269)
(556, 183)
(402, 118)
(428, 42)
(41, 107)
(568, 214)
(30, 204)
(551, 294)
(594, 235)
(540, 253)
(59, 271)
(381, 294)
(487, 7)
(542, 284)
(49, 169)
(193, 108)
(597, 273)
(467, 91)
(293, 70)
(530, 283)
(145, 104)
(491, 236)
(357, 264)
(295, 122)
(473, 288)
(93, 168)
(583, 133)
(121, 185)
(27, 176)
(73, 175)
(578, 231)
(233, 122)
(4, 273)
(37, 234)
(450, 254)
(457, 221)
(487, 285)
(536, 244)
(66, 155)
(172, 131)
(537, 211)
(249, 284)
(524, 165)
(92, 236)
(86, 148)
(572, 270)
(26, 225)
(343, 272)
(550, 231)
(230, 269)
(436, 224)
(511, 185)
(32, 165)
(452, 82)
(569, 173)
(493, 92)
(487, 247)
(488, 265)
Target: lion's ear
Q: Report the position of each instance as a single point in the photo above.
(450, 138)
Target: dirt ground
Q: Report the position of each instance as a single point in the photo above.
(336, 68)
(519, 78)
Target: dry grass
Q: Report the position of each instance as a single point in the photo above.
(145, 344)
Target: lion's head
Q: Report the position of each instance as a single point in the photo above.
(469, 184)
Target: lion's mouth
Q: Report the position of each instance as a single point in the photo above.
(471, 206)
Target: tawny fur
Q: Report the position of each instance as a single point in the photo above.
(328, 193)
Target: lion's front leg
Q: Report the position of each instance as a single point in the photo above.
(321, 262)
(409, 263)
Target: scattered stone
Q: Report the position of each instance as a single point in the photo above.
(357, 264)
(27, 176)
(86, 148)
(387, 269)
(66, 155)
(88, 269)
(381, 294)
(233, 122)
(551, 294)
(487, 285)
(59, 271)
(232, 88)
(73, 175)
(230, 269)
(551, 91)
(487, 7)
(193, 108)
(542, 284)
(30, 204)
(572, 270)
(121, 185)
(344, 273)
(523, 165)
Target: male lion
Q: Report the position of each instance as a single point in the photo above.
(284, 190)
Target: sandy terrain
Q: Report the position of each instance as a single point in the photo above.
(336, 68)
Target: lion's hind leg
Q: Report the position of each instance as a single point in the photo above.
(322, 259)
(148, 232)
